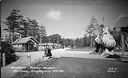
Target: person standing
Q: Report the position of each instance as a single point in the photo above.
(45, 51)
(49, 54)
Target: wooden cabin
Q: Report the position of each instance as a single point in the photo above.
(122, 25)
(26, 44)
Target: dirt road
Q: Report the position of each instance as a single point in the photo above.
(71, 67)
(33, 57)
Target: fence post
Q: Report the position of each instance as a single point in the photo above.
(29, 58)
(4, 60)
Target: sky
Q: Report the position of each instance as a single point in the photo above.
(68, 18)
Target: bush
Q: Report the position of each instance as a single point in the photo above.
(9, 52)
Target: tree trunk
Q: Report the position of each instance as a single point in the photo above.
(10, 37)
(40, 39)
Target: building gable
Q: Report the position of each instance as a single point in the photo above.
(25, 40)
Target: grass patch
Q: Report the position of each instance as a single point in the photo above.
(33, 70)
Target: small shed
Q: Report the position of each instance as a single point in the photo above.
(122, 25)
(26, 44)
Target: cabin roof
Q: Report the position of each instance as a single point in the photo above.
(122, 22)
(24, 40)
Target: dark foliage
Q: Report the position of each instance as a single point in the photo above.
(9, 52)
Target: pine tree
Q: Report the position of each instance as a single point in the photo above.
(91, 29)
(13, 22)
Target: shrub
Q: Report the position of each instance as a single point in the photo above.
(9, 52)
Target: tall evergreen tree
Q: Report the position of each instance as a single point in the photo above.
(13, 22)
(42, 32)
(91, 29)
(33, 28)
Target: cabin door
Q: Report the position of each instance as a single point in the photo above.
(30, 46)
